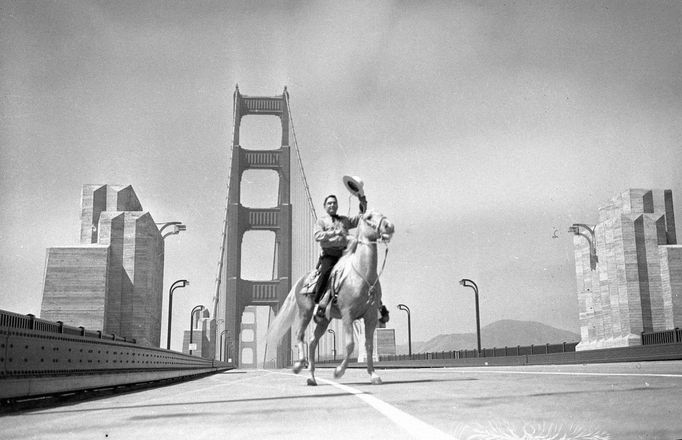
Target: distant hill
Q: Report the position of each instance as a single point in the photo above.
(506, 332)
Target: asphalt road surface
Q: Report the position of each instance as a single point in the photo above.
(597, 401)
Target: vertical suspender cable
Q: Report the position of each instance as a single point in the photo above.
(306, 217)
(300, 162)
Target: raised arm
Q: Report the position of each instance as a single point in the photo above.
(356, 218)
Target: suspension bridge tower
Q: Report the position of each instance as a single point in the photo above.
(292, 220)
(237, 294)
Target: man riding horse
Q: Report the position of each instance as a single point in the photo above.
(331, 231)
(355, 292)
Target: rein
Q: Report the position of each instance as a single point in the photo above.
(369, 243)
(372, 285)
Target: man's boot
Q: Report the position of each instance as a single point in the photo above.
(383, 311)
(319, 313)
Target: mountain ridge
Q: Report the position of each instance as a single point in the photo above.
(502, 333)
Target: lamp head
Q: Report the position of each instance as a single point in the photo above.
(403, 307)
(179, 283)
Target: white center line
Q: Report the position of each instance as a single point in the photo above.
(409, 423)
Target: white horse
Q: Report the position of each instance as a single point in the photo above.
(355, 282)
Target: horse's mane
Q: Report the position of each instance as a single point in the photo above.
(351, 246)
(353, 241)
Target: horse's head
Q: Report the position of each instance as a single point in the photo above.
(376, 226)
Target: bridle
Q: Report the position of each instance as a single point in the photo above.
(377, 228)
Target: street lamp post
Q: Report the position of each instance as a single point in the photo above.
(409, 328)
(221, 344)
(191, 325)
(177, 284)
(473, 285)
(591, 241)
(333, 346)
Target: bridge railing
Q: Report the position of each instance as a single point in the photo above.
(39, 357)
(518, 350)
(663, 337)
(30, 322)
(656, 346)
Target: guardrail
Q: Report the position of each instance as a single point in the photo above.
(664, 345)
(665, 337)
(519, 350)
(39, 357)
(30, 322)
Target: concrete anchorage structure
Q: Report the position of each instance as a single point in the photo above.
(200, 335)
(113, 280)
(629, 270)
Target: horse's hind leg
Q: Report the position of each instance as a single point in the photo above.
(320, 328)
(305, 314)
(350, 345)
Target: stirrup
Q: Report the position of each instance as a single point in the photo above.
(319, 314)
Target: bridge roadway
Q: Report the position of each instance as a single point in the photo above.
(616, 401)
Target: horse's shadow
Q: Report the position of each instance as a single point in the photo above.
(403, 382)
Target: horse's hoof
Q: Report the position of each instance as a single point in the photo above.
(299, 365)
(338, 372)
(376, 381)
(311, 382)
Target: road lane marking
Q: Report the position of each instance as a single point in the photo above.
(411, 424)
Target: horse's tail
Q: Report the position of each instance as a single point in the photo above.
(283, 321)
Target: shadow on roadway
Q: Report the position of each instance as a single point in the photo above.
(203, 402)
(402, 382)
(28, 404)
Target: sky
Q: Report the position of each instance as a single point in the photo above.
(482, 129)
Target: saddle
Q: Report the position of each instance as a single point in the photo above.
(310, 282)
(329, 297)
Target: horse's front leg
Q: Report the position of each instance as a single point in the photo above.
(370, 326)
(320, 328)
(350, 345)
(301, 363)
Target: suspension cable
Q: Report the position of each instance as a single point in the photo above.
(223, 240)
(300, 162)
